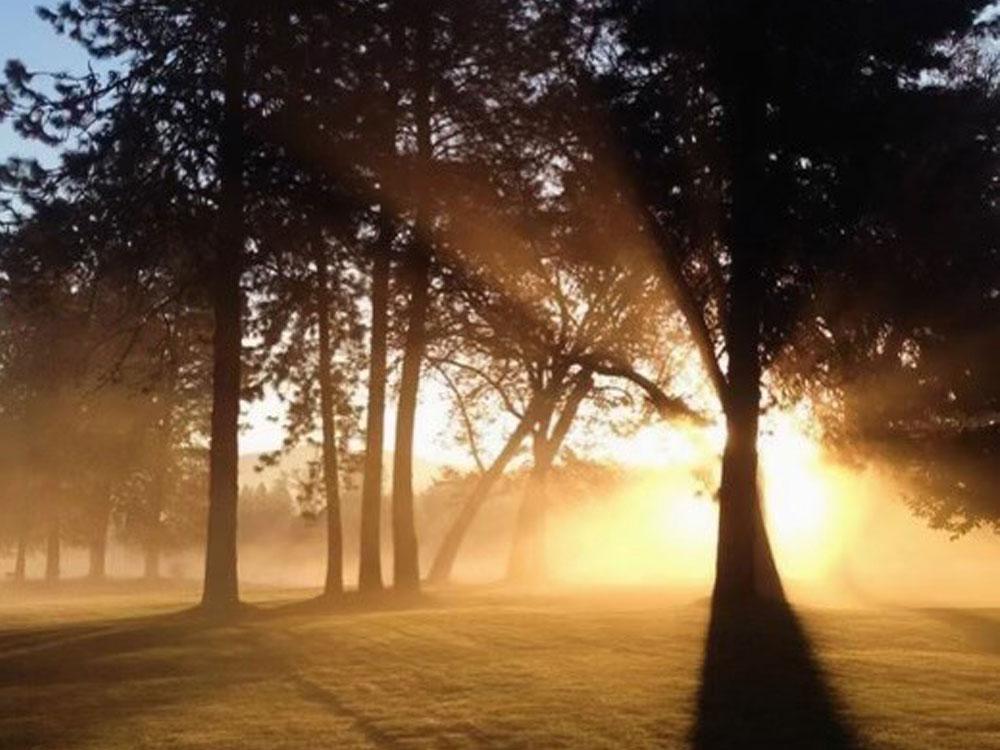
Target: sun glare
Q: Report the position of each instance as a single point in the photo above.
(798, 496)
(670, 519)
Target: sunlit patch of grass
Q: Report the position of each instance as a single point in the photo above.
(468, 669)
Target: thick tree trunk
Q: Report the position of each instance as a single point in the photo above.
(221, 590)
(370, 562)
(52, 551)
(745, 568)
(334, 584)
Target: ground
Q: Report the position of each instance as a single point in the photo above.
(125, 669)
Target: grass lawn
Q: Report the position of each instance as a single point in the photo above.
(122, 669)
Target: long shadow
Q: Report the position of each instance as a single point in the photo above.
(761, 686)
(209, 651)
(348, 603)
(84, 663)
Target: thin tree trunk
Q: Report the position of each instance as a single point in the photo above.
(161, 478)
(21, 560)
(98, 558)
(98, 547)
(370, 562)
(331, 473)
(98, 550)
(406, 562)
(527, 552)
(539, 408)
(152, 541)
(406, 571)
(221, 586)
(444, 560)
(52, 551)
(151, 558)
(527, 556)
(370, 552)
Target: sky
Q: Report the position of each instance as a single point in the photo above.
(24, 36)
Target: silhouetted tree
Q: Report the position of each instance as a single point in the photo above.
(737, 122)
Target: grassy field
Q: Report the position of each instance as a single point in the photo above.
(124, 669)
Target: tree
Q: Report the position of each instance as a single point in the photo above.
(739, 121)
(72, 287)
(903, 351)
(529, 342)
(460, 86)
(181, 98)
(311, 339)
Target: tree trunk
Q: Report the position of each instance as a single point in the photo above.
(161, 478)
(444, 560)
(527, 555)
(52, 551)
(98, 547)
(98, 558)
(221, 590)
(20, 561)
(745, 568)
(370, 550)
(527, 552)
(406, 570)
(151, 559)
(152, 541)
(370, 562)
(331, 473)
(406, 562)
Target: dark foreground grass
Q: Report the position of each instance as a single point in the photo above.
(479, 669)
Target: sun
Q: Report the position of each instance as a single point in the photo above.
(666, 523)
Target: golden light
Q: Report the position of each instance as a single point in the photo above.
(664, 526)
(800, 509)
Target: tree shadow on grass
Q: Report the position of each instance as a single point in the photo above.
(81, 669)
(348, 603)
(761, 686)
(114, 669)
